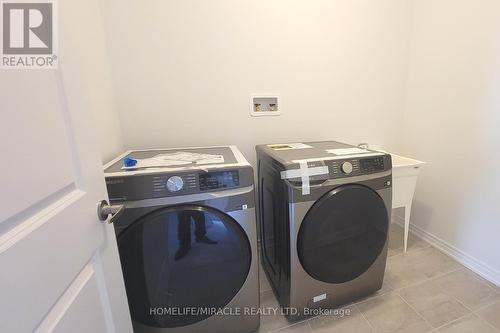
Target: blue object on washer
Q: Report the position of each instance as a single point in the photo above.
(129, 162)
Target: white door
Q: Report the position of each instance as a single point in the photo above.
(59, 265)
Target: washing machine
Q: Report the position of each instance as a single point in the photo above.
(324, 213)
(187, 239)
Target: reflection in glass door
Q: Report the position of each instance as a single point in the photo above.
(182, 258)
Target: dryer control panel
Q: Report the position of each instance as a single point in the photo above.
(369, 165)
(349, 167)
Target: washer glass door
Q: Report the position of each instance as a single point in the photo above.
(182, 262)
(343, 233)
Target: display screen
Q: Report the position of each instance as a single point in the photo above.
(372, 164)
(219, 180)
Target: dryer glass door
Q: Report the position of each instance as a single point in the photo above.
(343, 234)
(182, 262)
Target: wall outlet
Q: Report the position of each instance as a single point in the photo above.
(264, 105)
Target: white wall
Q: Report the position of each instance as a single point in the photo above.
(184, 70)
(452, 120)
(108, 129)
(106, 118)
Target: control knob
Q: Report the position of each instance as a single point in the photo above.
(175, 184)
(347, 167)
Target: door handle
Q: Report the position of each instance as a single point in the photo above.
(104, 210)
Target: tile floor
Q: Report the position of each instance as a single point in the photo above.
(424, 291)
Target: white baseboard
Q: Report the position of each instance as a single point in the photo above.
(475, 265)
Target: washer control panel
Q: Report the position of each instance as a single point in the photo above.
(175, 184)
(219, 180)
(170, 184)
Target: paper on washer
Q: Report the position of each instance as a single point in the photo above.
(347, 151)
(176, 159)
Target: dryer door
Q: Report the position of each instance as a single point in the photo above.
(343, 234)
(182, 262)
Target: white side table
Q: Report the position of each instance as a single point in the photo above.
(405, 173)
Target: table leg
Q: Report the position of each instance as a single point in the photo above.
(407, 225)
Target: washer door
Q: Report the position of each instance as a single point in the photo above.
(182, 262)
(343, 234)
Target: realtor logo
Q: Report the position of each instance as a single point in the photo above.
(28, 34)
